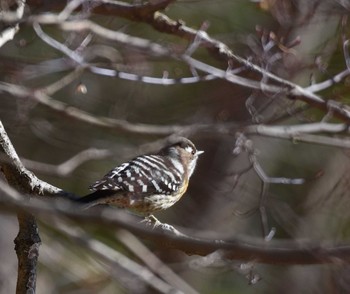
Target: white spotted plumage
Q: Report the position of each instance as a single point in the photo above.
(149, 182)
(144, 174)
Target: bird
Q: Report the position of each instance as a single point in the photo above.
(147, 183)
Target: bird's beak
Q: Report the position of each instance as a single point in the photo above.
(200, 152)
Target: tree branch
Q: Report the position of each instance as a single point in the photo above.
(66, 168)
(114, 259)
(273, 252)
(283, 87)
(28, 239)
(27, 245)
(281, 253)
(17, 175)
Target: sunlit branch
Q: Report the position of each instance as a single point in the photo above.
(283, 87)
(304, 133)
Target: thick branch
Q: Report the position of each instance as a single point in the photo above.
(274, 252)
(27, 249)
(17, 175)
(28, 240)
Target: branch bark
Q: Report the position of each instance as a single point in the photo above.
(27, 241)
(256, 250)
(283, 252)
(27, 245)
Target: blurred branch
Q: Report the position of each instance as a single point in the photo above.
(165, 24)
(28, 240)
(243, 144)
(115, 259)
(303, 133)
(63, 82)
(276, 252)
(298, 133)
(283, 87)
(138, 12)
(75, 113)
(66, 168)
(153, 262)
(216, 261)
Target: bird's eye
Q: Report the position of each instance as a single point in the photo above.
(189, 149)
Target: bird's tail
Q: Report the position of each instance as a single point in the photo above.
(95, 198)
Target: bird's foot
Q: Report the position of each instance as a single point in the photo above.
(151, 220)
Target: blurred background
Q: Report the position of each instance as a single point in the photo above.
(300, 41)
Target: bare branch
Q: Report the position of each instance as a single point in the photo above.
(277, 252)
(125, 39)
(287, 88)
(27, 245)
(72, 112)
(66, 168)
(115, 259)
(303, 133)
(17, 175)
(28, 240)
(153, 262)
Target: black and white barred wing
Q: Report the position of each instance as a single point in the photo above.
(144, 175)
(109, 181)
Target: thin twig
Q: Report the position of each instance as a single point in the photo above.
(153, 262)
(66, 168)
(115, 259)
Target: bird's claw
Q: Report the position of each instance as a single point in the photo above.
(151, 220)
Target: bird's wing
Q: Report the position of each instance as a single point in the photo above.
(143, 175)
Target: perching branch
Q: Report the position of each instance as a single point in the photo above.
(274, 252)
